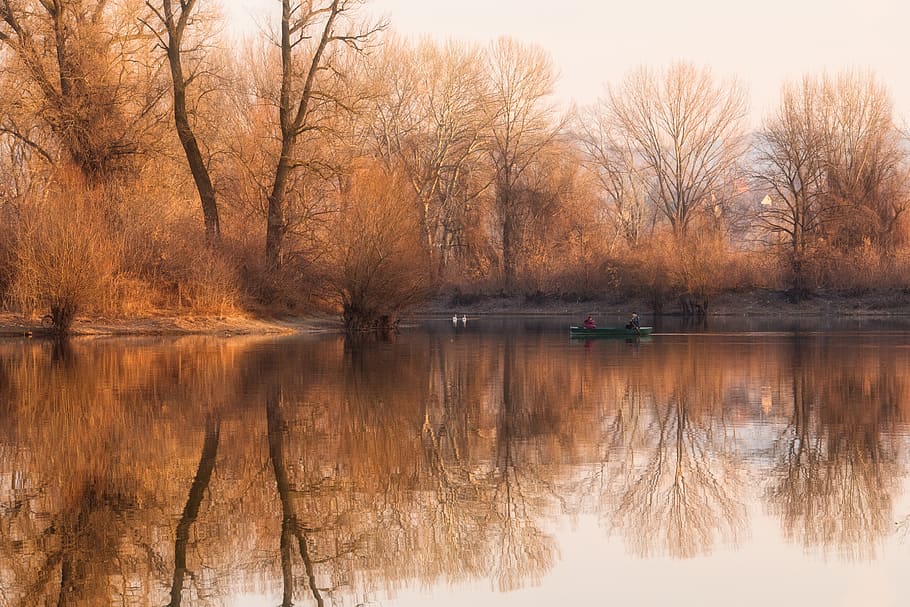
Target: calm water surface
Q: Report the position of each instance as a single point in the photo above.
(498, 463)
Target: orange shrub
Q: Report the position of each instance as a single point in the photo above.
(377, 265)
(63, 257)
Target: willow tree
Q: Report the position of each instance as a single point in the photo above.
(377, 266)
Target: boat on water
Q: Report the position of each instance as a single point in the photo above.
(609, 332)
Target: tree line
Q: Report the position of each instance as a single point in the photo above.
(149, 162)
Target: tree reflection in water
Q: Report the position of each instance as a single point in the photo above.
(191, 510)
(291, 526)
(355, 500)
(518, 493)
(326, 473)
(671, 481)
(92, 473)
(836, 462)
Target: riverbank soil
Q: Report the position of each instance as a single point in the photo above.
(752, 303)
(13, 325)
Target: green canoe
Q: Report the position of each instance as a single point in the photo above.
(609, 332)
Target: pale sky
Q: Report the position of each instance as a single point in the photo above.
(593, 43)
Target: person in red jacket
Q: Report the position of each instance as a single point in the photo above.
(589, 323)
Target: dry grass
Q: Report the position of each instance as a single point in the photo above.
(83, 250)
(199, 278)
(868, 270)
(63, 260)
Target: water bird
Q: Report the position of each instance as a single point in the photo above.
(455, 319)
(464, 319)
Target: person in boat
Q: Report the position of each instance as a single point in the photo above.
(634, 322)
(589, 323)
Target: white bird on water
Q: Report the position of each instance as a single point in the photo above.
(455, 319)
(464, 319)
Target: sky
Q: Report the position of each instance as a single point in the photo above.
(594, 43)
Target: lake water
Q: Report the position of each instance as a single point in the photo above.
(499, 463)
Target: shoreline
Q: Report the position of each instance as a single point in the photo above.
(16, 325)
(767, 304)
(759, 303)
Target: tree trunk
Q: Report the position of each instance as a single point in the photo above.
(191, 149)
(290, 526)
(275, 221)
(293, 120)
(508, 255)
(197, 165)
(191, 510)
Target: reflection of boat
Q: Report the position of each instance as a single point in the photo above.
(609, 332)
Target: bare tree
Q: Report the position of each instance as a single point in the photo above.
(789, 165)
(73, 59)
(866, 170)
(314, 26)
(175, 20)
(619, 172)
(522, 122)
(63, 262)
(377, 264)
(429, 121)
(559, 240)
(686, 130)
(830, 161)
